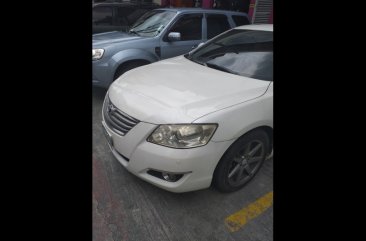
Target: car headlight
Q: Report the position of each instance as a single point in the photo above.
(182, 136)
(97, 54)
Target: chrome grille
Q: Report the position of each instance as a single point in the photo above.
(117, 120)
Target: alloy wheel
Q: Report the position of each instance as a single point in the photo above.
(246, 163)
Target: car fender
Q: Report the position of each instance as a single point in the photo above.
(235, 121)
(131, 54)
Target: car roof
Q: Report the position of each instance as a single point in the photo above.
(262, 27)
(201, 10)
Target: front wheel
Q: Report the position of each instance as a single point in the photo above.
(242, 161)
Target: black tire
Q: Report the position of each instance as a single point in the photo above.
(242, 161)
(126, 67)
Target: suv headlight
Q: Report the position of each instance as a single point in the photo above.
(182, 136)
(97, 54)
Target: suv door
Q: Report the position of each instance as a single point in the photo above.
(216, 24)
(103, 19)
(190, 28)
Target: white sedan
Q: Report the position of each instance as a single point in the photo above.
(204, 118)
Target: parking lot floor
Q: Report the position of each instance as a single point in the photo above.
(128, 208)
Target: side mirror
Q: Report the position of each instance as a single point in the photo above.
(174, 36)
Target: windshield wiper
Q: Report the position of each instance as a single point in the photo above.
(147, 31)
(138, 23)
(218, 67)
(219, 44)
(152, 28)
(133, 32)
(232, 48)
(188, 56)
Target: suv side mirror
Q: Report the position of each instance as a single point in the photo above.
(174, 36)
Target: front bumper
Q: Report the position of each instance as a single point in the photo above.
(139, 156)
(102, 73)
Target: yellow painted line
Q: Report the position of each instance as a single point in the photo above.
(237, 220)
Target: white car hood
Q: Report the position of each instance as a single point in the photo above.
(178, 90)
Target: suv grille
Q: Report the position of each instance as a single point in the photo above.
(117, 120)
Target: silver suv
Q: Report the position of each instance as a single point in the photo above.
(158, 34)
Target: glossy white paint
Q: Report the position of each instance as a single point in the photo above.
(198, 163)
(263, 27)
(243, 117)
(180, 91)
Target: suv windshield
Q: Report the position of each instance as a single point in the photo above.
(152, 23)
(246, 53)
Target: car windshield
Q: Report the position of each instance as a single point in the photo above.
(246, 53)
(152, 23)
